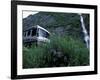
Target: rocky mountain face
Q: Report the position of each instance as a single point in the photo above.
(58, 23)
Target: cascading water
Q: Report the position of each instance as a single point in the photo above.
(86, 36)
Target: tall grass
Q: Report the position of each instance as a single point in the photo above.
(61, 51)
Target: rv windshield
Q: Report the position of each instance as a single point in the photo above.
(43, 33)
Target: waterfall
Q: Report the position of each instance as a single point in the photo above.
(86, 36)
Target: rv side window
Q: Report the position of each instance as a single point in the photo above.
(34, 32)
(28, 33)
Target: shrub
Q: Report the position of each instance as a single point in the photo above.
(61, 51)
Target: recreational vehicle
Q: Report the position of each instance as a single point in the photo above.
(36, 34)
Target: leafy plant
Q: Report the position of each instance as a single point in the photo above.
(61, 51)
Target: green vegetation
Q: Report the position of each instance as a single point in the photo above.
(61, 51)
(66, 47)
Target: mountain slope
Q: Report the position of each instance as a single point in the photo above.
(58, 23)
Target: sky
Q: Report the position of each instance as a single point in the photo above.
(27, 13)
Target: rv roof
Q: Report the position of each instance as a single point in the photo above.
(37, 26)
(42, 28)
